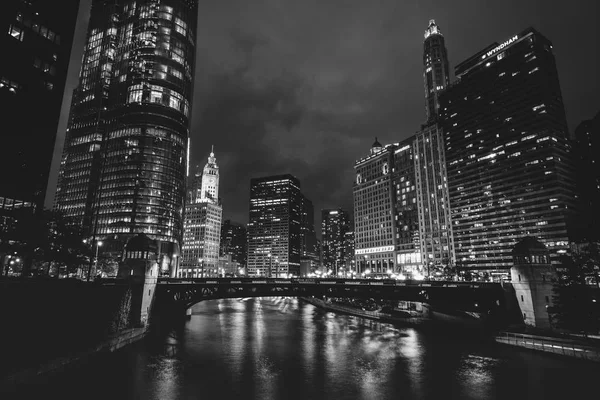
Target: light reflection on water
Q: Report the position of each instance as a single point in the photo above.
(281, 348)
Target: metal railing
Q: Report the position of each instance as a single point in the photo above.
(565, 347)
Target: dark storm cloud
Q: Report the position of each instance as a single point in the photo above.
(303, 87)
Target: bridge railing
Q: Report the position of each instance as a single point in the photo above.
(325, 281)
(550, 345)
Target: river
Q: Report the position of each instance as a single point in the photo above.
(283, 348)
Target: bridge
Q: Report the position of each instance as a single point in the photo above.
(182, 293)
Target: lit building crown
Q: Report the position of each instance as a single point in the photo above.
(432, 29)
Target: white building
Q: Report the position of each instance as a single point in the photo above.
(202, 224)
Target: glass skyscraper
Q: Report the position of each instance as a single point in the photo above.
(36, 39)
(335, 223)
(124, 164)
(275, 226)
(508, 154)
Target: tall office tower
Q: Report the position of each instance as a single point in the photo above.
(386, 222)
(202, 224)
(309, 248)
(405, 197)
(274, 228)
(234, 241)
(508, 155)
(36, 39)
(435, 224)
(124, 164)
(436, 73)
(587, 144)
(334, 226)
(349, 251)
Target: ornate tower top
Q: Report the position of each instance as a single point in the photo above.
(432, 29)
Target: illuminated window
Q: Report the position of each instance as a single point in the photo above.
(16, 32)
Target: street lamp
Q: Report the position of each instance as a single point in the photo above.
(98, 244)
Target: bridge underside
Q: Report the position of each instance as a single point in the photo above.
(179, 297)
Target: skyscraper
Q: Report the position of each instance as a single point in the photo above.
(335, 223)
(309, 238)
(435, 225)
(36, 39)
(436, 73)
(274, 228)
(234, 241)
(374, 213)
(202, 224)
(508, 154)
(401, 202)
(124, 164)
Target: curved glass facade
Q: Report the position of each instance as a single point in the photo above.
(124, 165)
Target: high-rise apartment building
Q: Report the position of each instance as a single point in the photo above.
(124, 164)
(587, 141)
(335, 223)
(36, 38)
(234, 242)
(202, 224)
(274, 227)
(508, 155)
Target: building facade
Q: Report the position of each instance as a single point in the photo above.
(124, 163)
(508, 154)
(234, 242)
(36, 39)
(435, 224)
(202, 224)
(374, 214)
(335, 223)
(274, 227)
(436, 72)
(587, 143)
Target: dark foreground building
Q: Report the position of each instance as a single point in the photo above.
(587, 137)
(36, 39)
(274, 227)
(509, 158)
(124, 164)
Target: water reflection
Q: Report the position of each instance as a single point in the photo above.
(280, 348)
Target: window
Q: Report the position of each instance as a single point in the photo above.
(16, 32)
(522, 298)
(524, 316)
(519, 277)
(547, 299)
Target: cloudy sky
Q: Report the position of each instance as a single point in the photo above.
(304, 86)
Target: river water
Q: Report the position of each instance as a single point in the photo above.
(283, 348)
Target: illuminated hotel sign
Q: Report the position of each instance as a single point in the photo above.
(500, 47)
(381, 249)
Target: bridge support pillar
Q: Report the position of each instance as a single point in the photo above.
(531, 276)
(140, 267)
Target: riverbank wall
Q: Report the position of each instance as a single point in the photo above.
(112, 343)
(561, 346)
(49, 324)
